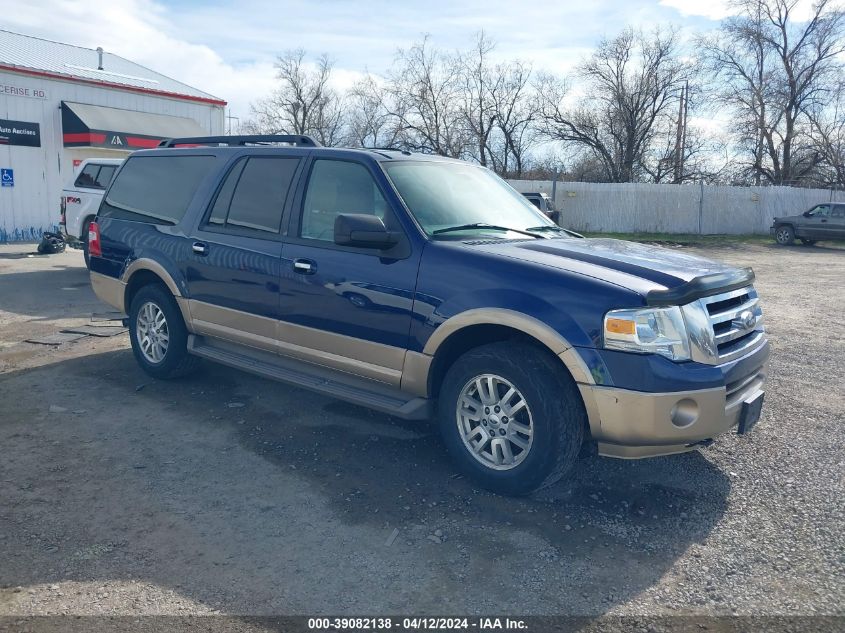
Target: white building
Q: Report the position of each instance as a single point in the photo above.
(60, 104)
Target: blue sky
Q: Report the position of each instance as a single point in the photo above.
(228, 48)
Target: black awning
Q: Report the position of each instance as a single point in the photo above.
(85, 125)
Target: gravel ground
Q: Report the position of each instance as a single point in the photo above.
(227, 493)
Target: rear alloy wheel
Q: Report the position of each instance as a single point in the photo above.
(511, 417)
(784, 235)
(158, 334)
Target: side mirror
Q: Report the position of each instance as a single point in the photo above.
(808, 214)
(364, 231)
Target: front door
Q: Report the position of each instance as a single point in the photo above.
(817, 225)
(234, 266)
(344, 307)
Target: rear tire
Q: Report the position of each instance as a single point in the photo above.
(158, 334)
(785, 235)
(545, 401)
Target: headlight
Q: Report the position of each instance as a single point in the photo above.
(648, 331)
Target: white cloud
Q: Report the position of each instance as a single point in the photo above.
(142, 32)
(719, 9)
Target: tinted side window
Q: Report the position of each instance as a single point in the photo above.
(337, 187)
(156, 189)
(838, 211)
(224, 198)
(88, 176)
(105, 175)
(259, 197)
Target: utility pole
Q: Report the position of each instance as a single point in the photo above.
(229, 119)
(681, 134)
(684, 137)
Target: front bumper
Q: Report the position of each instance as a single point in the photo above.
(631, 424)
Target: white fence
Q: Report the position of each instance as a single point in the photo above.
(647, 208)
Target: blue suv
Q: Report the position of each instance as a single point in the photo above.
(426, 287)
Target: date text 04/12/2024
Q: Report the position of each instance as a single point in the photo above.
(415, 624)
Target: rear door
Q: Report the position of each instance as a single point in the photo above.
(233, 268)
(344, 307)
(837, 222)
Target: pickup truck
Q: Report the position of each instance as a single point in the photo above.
(82, 196)
(428, 289)
(543, 202)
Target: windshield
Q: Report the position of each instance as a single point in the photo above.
(457, 197)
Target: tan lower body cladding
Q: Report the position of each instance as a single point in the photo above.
(625, 423)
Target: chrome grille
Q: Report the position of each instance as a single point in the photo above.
(725, 326)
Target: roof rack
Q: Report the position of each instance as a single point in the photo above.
(253, 139)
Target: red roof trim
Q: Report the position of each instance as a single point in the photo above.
(109, 84)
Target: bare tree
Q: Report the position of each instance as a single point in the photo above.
(773, 70)
(517, 117)
(631, 84)
(480, 87)
(303, 103)
(828, 136)
(370, 124)
(423, 96)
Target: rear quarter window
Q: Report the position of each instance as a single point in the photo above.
(156, 189)
(95, 176)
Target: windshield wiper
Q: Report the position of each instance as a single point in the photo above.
(557, 229)
(481, 225)
(545, 227)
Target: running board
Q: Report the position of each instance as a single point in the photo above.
(309, 376)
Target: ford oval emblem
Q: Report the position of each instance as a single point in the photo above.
(746, 320)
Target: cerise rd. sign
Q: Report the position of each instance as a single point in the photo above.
(9, 90)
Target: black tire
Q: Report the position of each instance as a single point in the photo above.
(807, 242)
(176, 361)
(557, 412)
(784, 235)
(84, 239)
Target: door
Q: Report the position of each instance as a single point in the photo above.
(344, 307)
(816, 226)
(234, 264)
(837, 222)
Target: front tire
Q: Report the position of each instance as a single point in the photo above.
(785, 235)
(158, 334)
(511, 417)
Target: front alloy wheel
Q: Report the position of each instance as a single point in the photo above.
(511, 416)
(495, 422)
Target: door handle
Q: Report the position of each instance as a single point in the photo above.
(824, 219)
(200, 248)
(304, 266)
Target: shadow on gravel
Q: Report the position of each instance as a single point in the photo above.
(45, 293)
(152, 484)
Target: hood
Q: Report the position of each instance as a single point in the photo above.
(660, 268)
(792, 218)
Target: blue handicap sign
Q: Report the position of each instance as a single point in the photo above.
(7, 177)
